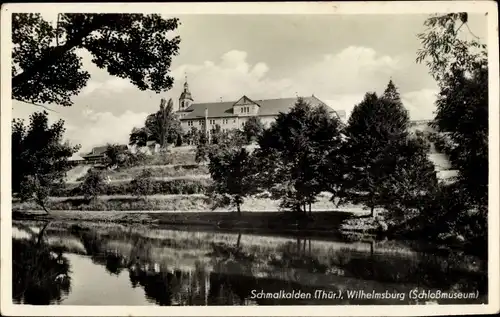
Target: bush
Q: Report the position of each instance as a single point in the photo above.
(134, 159)
(158, 187)
(131, 204)
(93, 185)
(142, 184)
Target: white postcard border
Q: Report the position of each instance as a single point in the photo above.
(426, 7)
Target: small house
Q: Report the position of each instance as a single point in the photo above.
(98, 153)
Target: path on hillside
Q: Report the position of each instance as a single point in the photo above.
(442, 165)
(75, 173)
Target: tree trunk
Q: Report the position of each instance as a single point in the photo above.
(298, 208)
(42, 204)
(238, 208)
(372, 258)
(310, 212)
(239, 240)
(372, 211)
(41, 233)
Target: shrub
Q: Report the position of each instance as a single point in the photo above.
(134, 159)
(142, 184)
(93, 185)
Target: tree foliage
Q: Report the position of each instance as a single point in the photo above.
(216, 135)
(33, 261)
(46, 67)
(233, 172)
(230, 139)
(39, 157)
(162, 127)
(294, 153)
(115, 155)
(253, 129)
(138, 137)
(192, 137)
(460, 67)
(383, 159)
(142, 184)
(93, 185)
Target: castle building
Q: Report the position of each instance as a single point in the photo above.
(233, 114)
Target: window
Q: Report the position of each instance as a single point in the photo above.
(190, 123)
(200, 122)
(212, 121)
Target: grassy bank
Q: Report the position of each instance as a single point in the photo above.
(269, 221)
(168, 203)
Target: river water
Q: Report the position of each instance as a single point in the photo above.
(110, 264)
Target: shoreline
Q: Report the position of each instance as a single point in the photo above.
(321, 222)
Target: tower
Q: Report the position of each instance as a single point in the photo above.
(185, 100)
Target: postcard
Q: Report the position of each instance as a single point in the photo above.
(250, 159)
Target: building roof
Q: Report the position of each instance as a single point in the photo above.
(268, 107)
(100, 150)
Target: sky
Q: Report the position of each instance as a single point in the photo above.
(338, 58)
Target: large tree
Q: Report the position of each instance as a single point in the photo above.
(226, 140)
(381, 154)
(233, 171)
(162, 127)
(46, 67)
(293, 154)
(460, 67)
(39, 157)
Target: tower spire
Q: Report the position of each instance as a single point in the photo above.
(186, 86)
(185, 99)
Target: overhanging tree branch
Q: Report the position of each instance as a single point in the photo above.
(55, 53)
(35, 104)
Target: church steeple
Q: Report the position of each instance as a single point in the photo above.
(185, 100)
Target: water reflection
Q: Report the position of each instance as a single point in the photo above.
(41, 273)
(201, 268)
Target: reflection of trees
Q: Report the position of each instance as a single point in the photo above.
(424, 269)
(232, 279)
(95, 248)
(39, 273)
(233, 268)
(162, 285)
(172, 287)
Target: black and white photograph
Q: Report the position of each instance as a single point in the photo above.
(255, 159)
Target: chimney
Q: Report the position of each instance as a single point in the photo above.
(206, 120)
